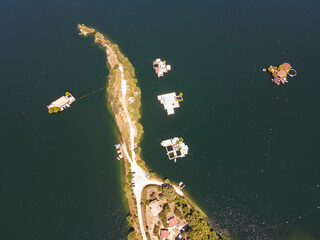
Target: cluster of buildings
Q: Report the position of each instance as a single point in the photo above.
(174, 230)
(280, 73)
(160, 67)
(169, 233)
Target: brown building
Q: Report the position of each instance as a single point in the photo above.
(173, 222)
(281, 74)
(164, 234)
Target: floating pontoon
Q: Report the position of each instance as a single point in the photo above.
(170, 101)
(160, 67)
(280, 73)
(175, 148)
(61, 103)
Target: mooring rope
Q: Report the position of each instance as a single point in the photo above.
(290, 221)
(91, 93)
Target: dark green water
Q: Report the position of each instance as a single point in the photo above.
(254, 160)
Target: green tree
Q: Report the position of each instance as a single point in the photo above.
(185, 209)
(126, 187)
(156, 230)
(129, 219)
(166, 208)
(51, 110)
(169, 193)
(132, 235)
(178, 213)
(152, 196)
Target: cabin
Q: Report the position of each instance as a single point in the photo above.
(172, 222)
(164, 234)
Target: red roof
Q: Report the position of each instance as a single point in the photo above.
(286, 66)
(164, 234)
(173, 222)
(281, 74)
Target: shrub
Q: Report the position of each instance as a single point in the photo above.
(169, 193)
(166, 208)
(126, 187)
(185, 209)
(156, 230)
(132, 235)
(129, 219)
(152, 196)
(178, 213)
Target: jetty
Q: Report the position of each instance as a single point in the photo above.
(175, 148)
(61, 103)
(160, 67)
(170, 101)
(280, 73)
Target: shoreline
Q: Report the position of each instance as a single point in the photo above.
(124, 102)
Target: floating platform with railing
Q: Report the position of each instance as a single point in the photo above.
(61, 103)
(175, 148)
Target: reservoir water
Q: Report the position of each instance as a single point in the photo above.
(253, 164)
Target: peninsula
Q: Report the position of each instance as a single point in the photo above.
(158, 209)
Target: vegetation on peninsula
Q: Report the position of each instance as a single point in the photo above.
(173, 203)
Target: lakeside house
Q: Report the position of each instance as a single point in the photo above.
(164, 234)
(175, 148)
(173, 222)
(160, 67)
(170, 101)
(61, 103)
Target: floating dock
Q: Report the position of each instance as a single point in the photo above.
(160, 67)
(61, 103)
(175, 148)
(280, 73)
(170, 101)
